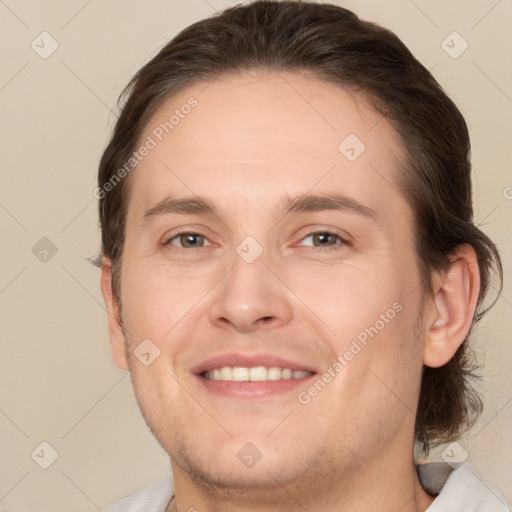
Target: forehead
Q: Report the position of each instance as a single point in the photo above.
(249, 136)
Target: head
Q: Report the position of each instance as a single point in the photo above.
(250, 110)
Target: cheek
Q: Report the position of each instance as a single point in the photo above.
(155, 300)
(373, 313)
(349, 298)
(386, 368)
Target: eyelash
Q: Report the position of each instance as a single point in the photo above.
(336, 247)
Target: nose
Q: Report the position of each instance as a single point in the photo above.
(250, 297)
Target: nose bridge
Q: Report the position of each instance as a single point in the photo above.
(250, 295)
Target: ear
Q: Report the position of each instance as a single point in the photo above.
(117, 339)
(449, 321)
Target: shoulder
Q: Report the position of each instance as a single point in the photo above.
(459, 488)
(152, 498)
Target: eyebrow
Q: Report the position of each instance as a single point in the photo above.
(332, 201)
(303, 203)
(182, 205)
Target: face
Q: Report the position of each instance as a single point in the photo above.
(265, 233)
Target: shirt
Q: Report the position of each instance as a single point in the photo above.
(457, 489)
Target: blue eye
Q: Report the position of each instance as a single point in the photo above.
(189, 240)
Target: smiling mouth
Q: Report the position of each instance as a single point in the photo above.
(254, 374)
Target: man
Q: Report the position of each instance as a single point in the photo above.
(290, 267)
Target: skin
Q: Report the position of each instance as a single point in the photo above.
(252, 140)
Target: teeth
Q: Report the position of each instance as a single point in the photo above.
(274, 373)
(287, 374)
(239, 374)
(299, 374)
(225, 373)
(256, 373)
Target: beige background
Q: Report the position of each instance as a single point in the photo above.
(58, 383)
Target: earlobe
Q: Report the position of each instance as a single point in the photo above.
(117, 339)
(454, 306)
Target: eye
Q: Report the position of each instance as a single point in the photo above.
(326, 240)
(187, 240)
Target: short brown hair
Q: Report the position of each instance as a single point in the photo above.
(337, 46)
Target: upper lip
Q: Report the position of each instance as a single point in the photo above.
(248, 361)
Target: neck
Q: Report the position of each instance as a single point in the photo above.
(386, 487)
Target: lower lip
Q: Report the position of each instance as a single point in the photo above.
(252, 389)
